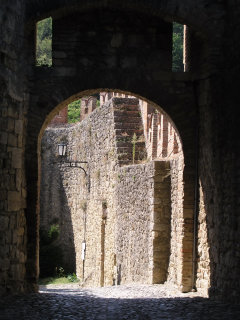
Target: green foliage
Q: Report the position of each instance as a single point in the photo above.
(58, 280)
(44, 42)
(72, 278)
(54, 232)
(44, 52)
(177, 59)
(74, 110)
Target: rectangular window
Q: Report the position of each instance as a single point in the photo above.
(44, 42)
(177, 48)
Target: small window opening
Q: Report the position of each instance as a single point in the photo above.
(44, 42)
(177, 48)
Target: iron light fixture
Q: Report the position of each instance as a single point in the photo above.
(62, 148)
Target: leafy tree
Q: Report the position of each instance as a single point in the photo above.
(177, 59)
(44, 42)
(74, 109)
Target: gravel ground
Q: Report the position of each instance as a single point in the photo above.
(131, 302)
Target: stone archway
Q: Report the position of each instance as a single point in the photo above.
(212, 56)
(183, 257)
(128, 56)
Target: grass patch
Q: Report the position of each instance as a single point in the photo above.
(57, 280)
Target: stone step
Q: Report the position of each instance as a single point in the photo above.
(128, 121)
(120, 113)
(125, 144)
(128, 132)
(128, 153)
(126, 107)
(126, 125)
(122, 119)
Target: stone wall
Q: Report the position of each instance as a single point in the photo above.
(143, 223)
(207, 90)
(203, 259)
(106, 58)
(175, 261)
(125, 216)
(134, 216)
(71, 201)
(13, 108)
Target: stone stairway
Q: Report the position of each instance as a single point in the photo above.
(127, 122)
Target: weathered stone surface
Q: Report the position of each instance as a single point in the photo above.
(14, 201)
(211, 59)
(4, 223)
(120, 247)
(17, 158)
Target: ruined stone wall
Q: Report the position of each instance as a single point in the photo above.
(125, 217)
(88, 104)
(71, 202)
(13, 107)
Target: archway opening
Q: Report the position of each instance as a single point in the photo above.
(117, 217)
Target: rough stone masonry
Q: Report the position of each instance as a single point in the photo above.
(130, 217)
(124, 45)
(124, 227)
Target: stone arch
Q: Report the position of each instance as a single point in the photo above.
(70, 99)
(32, 157)
(213, 72)
(150, 77)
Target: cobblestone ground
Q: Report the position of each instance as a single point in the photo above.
(114, 303)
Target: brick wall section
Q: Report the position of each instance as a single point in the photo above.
(127, 122)
(88, 104)
(60, 118)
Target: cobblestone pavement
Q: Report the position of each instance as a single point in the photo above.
(140, 302)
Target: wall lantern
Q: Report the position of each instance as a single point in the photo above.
(62, 148)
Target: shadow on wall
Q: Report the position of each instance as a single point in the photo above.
(57, 251)
(210, 241)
